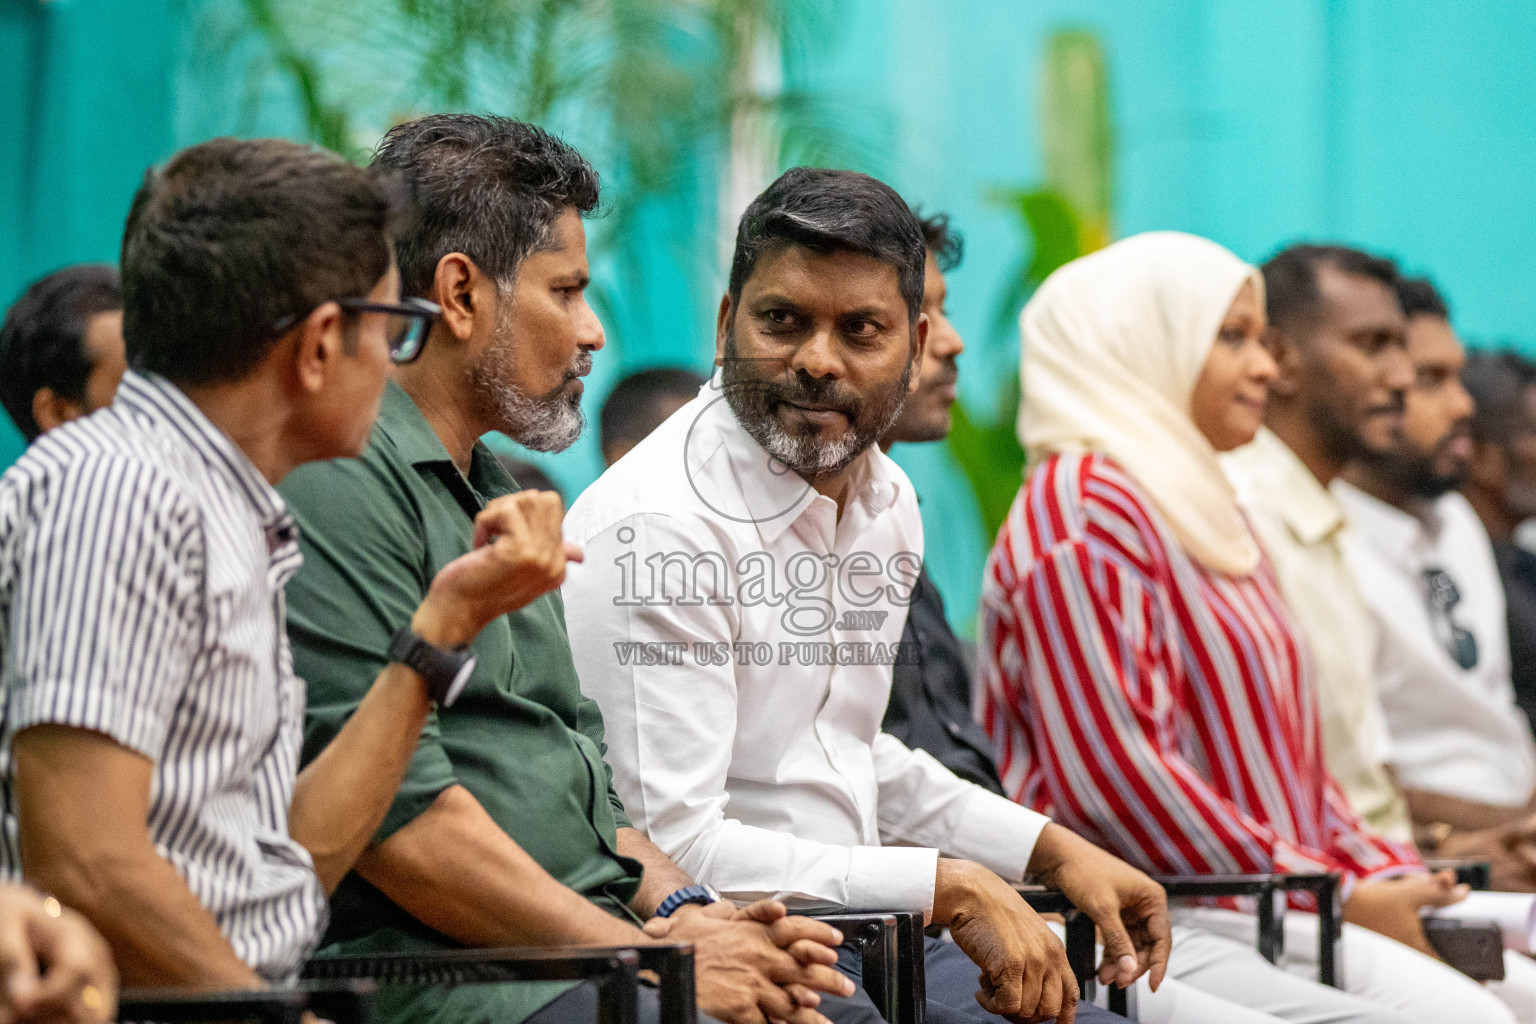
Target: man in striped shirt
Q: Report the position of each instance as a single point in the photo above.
(151, 719)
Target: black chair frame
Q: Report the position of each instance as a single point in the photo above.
(614, 971)
(342, 1003)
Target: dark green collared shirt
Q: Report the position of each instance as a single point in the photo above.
(521, 737)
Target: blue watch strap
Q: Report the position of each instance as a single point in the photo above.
(701, 894)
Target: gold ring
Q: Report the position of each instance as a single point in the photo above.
(92, 999)
(52, 909)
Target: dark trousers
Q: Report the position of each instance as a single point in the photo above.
(579, 1006)
(951, 992)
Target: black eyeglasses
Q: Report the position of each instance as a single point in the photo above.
(1443, 597)
(406, 329)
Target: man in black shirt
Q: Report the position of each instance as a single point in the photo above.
(1502, 488)
(930, 706)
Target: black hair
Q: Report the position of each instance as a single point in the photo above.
(1291, 295)
(825, 210)
(233, 236)
(1419, 296)
(633, 408)
(1498, 383)
(941, 239)
(488, 187)
(42, 341)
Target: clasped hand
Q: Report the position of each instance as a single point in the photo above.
(757, 963)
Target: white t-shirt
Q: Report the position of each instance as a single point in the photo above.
(1454, 730)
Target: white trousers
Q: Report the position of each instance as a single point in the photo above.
(1384, 980)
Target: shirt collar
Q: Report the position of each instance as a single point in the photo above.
(1309, 510)
(774, 496)
(151, 395)
(1385, 525)
(406, 425)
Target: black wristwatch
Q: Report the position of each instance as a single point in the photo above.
(446, 671)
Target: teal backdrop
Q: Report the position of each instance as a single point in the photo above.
(1407, 126)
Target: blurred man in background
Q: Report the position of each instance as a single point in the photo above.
(1501, 487)
(1338, 337)
(61, 348)
(639, 403)
(1461, 749)
(930, 706)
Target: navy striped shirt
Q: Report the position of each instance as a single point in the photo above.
(142, 564)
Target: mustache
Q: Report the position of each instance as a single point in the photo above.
(580, 366)
(1461, 429)
(949, 373)
(807, 390)
(1396, 406)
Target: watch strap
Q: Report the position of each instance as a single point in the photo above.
(444, 670)
(700, 894)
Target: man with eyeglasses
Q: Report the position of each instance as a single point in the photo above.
(152, 718)
(1460, 747)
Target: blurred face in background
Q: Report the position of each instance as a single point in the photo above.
(1506, 468)
(926, 414)
(1227, 404)
(1348, 368)
(1434, 452)
(103, 348)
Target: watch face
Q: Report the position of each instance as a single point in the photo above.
(460, 681)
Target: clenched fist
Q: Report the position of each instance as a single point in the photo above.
(1025, 976)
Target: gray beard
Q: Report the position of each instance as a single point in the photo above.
(805, 454)
(539, 423)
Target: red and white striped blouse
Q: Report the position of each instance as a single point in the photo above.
(1162, 710)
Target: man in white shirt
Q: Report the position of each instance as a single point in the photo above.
(748, 570)
(1338, 334)
(1461, 748)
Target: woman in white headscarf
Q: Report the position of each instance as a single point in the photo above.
(1141, 676)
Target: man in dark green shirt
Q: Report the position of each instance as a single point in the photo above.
(507, 830)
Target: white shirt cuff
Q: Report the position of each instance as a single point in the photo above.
(892, 878)
(998, 833)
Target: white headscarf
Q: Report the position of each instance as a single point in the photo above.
(1113, 345)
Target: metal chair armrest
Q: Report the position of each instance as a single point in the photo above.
(673, 965)
(343, 1003)
(877, 939)
(613, 969)
(1265, 888)
(1476, 873)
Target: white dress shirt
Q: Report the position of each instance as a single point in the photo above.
(1453, 731)
(1302, 526)
(767, 779)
